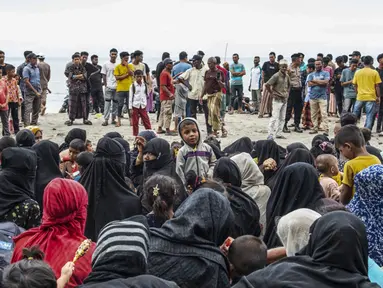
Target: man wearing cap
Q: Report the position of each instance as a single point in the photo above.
(167, 98)
(295, 98)
(193, 79)
(280, 84)
(181, 90)
(32, 99)
(356, 55)
(45, 77)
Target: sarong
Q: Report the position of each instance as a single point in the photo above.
(77, 106)
(214, 105)
(266, 106)
(180, 100)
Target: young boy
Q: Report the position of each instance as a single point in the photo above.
(194, 155)
(4, 99)
(351, 145)
(14, 99)
(246, 255)
(327, 165)
(138, 101)
(69, 166)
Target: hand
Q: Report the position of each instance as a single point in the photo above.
(249, 88)
(171, 97)
(130, 111)
(378, 100)
(38, 94)
(67, 270)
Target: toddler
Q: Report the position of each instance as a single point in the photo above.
(327, 165)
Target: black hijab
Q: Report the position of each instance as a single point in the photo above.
(297, 155)
(296, 145)
(320, 137)
(17, 178)
(243, 144)
(48, 160)
(113, 135)
(199, 227)
(296, 187)
(245, 209)
(265, 149)
(75, 133)
(25, 138)
(126, 147)
(336, 256)
(162, 165)
(110, 198)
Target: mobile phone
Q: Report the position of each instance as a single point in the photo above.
(218, 75)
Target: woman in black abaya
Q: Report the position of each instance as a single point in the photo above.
(336, 256)
(243, 144)
(110, 198)
(48, 160)
(245, 209)
(25, 138)
(296, 187)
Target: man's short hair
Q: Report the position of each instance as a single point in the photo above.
(326, 60)
(75, 55)
(348, 118)
(279, 58)
(187, 122)
(366, 134)
(380, 56)
(138, 53)
(7, 142)
(218, 59)
(320, 55)
(93, 56)
(368, 60)
(9, 67)
(165, 55)
(349, 134)
(183, 55)
(2, 52)
(339, 59)
(354, 61)
(236, 54)
(311, 66)
(26, 53)
(311, 60)
(84, 53)
(295, 57)
(124, 54)
(247, 254)
(113, 50)
(138, 73)
(272, 53)
(330, 56)
(301, 54)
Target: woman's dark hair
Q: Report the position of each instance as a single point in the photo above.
(348, 118)
(138, 73)
(29, 272)
(321, 147)
(160, 191)
(77, 144)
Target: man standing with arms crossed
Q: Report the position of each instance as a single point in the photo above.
(295, 98)
(32, 100)
(110, 83)
(237, 71)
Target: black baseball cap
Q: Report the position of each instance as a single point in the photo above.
(32, 56)
(355, 53)
(201, 53)
(196, 58)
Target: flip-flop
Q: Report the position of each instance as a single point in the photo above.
(87, 122)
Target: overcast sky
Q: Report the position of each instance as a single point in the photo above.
(59, 28)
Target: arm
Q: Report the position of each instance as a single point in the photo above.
(356, 88)
(131, 97)
(180, 166)
(347, 183)
(49, 74)
(212, 162)
(243, 73)
(377, 91)
(29, 85)
(345, 194)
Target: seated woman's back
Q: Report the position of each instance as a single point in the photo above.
(185, 250)
(17, 180)
(62, 229)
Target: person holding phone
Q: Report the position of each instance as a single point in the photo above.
(212, 96)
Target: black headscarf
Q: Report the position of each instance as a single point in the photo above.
(25, 138)
(297, 155)
(243, 144)
(336, 256)
(297, 145)
(265, 149)
(162, 165)
(246, 211)
(142, 281)
(17, 178)
(75, 133)
(113, 135)
(110, 198)
(191, 240)
(126, 147)
(48, 160)
(296, 187)
(320, 137)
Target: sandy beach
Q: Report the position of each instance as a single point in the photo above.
(238, 125)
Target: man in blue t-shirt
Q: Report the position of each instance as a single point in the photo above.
(318, 81)
(237, 71)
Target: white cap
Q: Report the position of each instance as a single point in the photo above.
(41, 55)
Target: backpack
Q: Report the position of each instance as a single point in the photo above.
(8, 230)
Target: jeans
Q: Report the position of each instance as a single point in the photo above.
(4, 121)
(319, 106)
(295, 101)
(370, 111)
(193, 107)
(348, 104)
(111, 103)
(98, 100)
(14, 112)
(122, 97)
(236, 92)
(277, 120)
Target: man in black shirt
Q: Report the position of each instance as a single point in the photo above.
(269, 68)
(89, 69)
(2, 64)
(337, 85)
(95, 82)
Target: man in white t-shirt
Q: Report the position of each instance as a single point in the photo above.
(110, 83)
(255, 84)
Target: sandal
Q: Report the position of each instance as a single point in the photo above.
(87, 122)
(105, 123)
(68, 123)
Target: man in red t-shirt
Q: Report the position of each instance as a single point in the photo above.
(167, 98)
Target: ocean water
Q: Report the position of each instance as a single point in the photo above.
(58, 87)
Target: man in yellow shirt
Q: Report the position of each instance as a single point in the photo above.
(350, 142)
(124, 76)
(367, 89)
